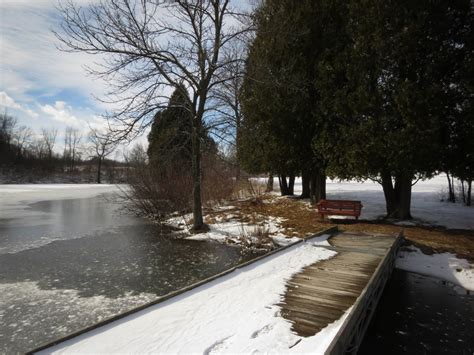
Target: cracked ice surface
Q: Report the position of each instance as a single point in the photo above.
(62, 311)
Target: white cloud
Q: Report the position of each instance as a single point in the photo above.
(62, 113)
(30, 60)
(8, 102)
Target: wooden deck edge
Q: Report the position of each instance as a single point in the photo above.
(352, 331)
(331, 231)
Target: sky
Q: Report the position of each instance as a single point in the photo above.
(40, 85)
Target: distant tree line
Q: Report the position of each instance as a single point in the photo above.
(372, 89)
(26, 155)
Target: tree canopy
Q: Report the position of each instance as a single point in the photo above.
(364, 89)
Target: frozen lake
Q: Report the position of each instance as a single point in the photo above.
(70, 258)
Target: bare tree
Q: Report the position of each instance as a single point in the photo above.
(7, 128)
(227, 98)
(38, 148)
(72, 139)
(48, 137)
(103, 145)
(22, 137)
(152, 47)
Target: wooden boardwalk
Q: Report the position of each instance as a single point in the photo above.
(322, 292)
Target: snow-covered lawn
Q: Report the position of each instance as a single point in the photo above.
(426, 205)
(236, 313)
(445, 266)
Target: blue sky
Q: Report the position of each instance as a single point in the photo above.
(35, 75)
(40, 85)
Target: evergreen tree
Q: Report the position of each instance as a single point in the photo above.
(391, 91)
(281, 97)
(170, 144)
(170, 135)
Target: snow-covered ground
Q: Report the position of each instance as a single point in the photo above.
(445, 266)
(228, 229)
(236, 313)
(426, 205)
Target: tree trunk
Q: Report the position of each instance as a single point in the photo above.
(305, 183)
(389, 193)
(398, 197)
(269, 183)
(99, 167)
(317, 187)
(451, 196)
(463, 191)
(469, 190)
(283, 185)
(198, 223)
(291, 185)
(404, 197)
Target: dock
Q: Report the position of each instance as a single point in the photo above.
(323, 292)
(343, 287)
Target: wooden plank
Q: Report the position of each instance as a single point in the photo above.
(321, 288)
(335, 299)
(330, 308)
(352, 330)
(308, 316)
(325, 312)
(322, 299)
(330, 283)
(322, 292)
(300, 320)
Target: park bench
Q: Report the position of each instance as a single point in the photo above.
(339, 207)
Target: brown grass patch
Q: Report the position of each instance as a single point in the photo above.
(300, 220)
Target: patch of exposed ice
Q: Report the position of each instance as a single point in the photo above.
(16, 198)
(445, 266)
(36, 313)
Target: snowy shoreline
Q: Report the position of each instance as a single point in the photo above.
(443, 266)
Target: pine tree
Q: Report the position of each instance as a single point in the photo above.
(391, 90)
(281, 96)
(170, 136)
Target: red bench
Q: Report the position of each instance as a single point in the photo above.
(340, 208)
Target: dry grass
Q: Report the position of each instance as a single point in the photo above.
(300, 219)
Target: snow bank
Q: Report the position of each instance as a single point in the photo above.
(228, 229)
(445, 266)
(236, 313)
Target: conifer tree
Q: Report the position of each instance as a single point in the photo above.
(392, 90)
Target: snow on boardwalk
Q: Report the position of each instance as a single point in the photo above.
(234, 313)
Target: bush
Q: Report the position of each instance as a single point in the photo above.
(158, 191)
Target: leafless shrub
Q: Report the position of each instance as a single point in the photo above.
(258, 240)
(250, 189)
(157, 192)
(154, 195)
